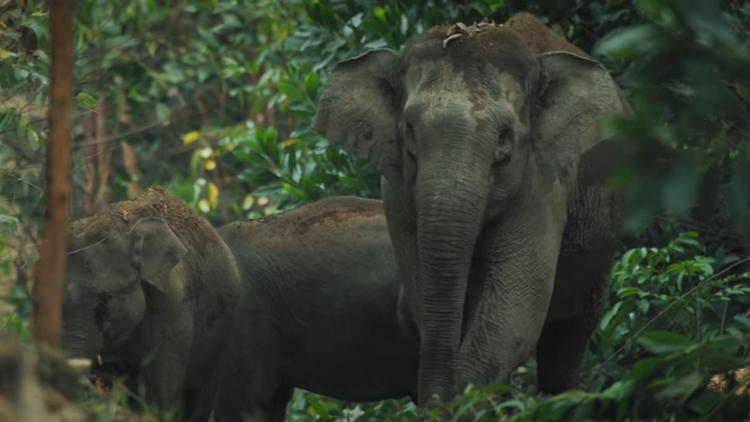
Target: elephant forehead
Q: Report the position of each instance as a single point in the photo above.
(102, 265)
(444, 74)
(441, 88)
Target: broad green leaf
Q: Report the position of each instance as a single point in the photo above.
(660, 342)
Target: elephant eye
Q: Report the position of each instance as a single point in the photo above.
(505, 135)
(504, 147)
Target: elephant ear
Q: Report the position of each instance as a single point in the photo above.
(578, 93)
(155, 250)
(359, 109)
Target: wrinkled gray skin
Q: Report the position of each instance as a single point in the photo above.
(152, 289)
(317, 311)
(495, 194)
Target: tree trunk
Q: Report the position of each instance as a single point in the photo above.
(50, 270)
(89, 163)
(130, 161)
(104, 158)
(97, 156)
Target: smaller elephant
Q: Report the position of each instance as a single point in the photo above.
(151, 288)
(318, 311)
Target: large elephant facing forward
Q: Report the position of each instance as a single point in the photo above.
(495, 193)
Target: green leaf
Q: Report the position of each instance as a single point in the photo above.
(85, 101)
(312, 84)
(628, 292)
(162, 112)
(291, 90)
(608, 315)
(660, 342)
(681, 388)
(626, 42)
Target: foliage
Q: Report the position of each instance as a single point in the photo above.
(685, 71)
(115, 405)
(675, 288)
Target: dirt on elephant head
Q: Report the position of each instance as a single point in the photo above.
(189, 227)
(521, 30)
(538, 37)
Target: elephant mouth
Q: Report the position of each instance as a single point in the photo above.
(106, 369)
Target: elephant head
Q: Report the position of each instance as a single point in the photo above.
(108, 273)
(479, 140)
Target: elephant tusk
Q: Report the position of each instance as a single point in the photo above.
(79, 364)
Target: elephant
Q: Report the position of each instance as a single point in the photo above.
(496, 194)
(318, 311)
(151, 291)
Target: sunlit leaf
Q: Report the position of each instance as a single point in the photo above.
(191, 137)
(213, 195)
(204, 205)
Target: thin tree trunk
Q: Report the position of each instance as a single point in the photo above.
(89, 163)
(96, 158)
(130, 161)
(50, 270)
(104, 156)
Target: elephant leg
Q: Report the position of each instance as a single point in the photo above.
(500, 336)
(280, 401)
(164, 381)
(508, 297)
(201, 400)
(574, 310)
(559, 354)
(262, 404)
(198, 405)
(259, 376)
(270, 406)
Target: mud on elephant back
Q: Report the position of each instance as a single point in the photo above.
(495, 190)
(151, 291)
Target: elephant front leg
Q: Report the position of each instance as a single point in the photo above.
(165, 364)
(580, 285)
(164, 381)
(504, 329)
(512, 287)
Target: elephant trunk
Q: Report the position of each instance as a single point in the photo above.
(81, 340)
(451, 197)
